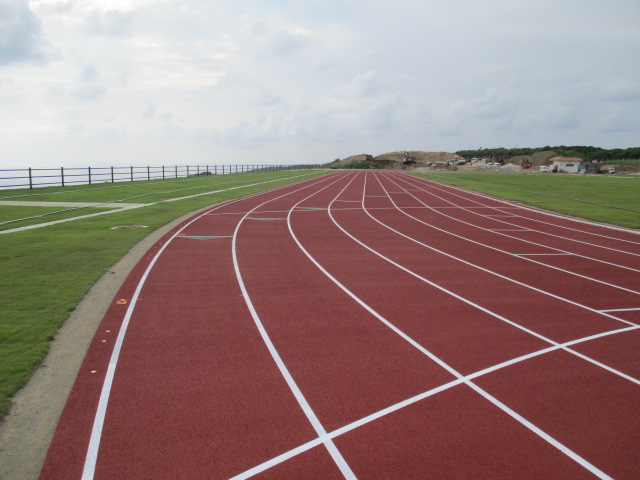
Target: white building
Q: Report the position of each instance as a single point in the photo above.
(566, 164)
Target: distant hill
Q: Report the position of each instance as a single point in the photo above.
(537, 159)
(422, 158)
(389, 160)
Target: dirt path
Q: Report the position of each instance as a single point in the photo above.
(26, 432)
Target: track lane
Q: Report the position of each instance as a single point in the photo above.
(553, 313)
(588, 410)
(339, 355)
(628, 436)
(548, 225)
(546, 250)
(513, 414)
(446, 236)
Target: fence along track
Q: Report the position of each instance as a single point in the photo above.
(61, 176)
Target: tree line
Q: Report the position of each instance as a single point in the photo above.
(584, 152)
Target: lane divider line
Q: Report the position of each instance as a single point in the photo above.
(410, 401)
(518, 226)
(530, 209)
(477, 306)
(574, 456)
(91, 458)
(293, 386)
(499, 275)
(525, 241)
(621, 310)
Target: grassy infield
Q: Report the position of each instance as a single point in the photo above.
(47, 271)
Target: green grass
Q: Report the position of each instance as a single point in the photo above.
(603, 198)
(134, 192)
(47, 271)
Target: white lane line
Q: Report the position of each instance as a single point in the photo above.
(98, 423)
(517, 282)
(529, 209)
(103, 403)
(499, 275)
(475, 305)
(531, 230)
(620, 310)
(293, 386)
(410, 401)
(574, 456)
(524, 258)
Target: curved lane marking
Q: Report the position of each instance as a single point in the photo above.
(461, 378)
(103, 403)
(500, 250)
(530, 209)
(498, 231)
(293, 386)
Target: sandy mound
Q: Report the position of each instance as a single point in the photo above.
(422, 158)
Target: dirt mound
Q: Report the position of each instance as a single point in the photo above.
(388, 160)
(537, 159)
(422, 158)
(345, 162)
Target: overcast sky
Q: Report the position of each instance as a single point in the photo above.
(152, 82)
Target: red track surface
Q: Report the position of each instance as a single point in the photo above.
(366, 325)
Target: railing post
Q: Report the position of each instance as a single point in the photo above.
(176, 171)
(148, 173)
(132, 173)
(163, 172)
(30, 179)
(187, 170)
(89, 175)
(112, 176)
(62, 175)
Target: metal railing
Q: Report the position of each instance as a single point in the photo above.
(63, 176)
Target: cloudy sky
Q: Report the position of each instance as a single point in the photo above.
(152, 82)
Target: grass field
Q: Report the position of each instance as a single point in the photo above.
(47, 271)
(603, 198)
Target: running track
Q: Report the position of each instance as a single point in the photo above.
(366, 325)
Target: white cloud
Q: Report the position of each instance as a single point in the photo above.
(90, 86)
(10, 92)
(21, 38)
(149, 110)
(363, 85)
(231, 80)
(111, 23)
